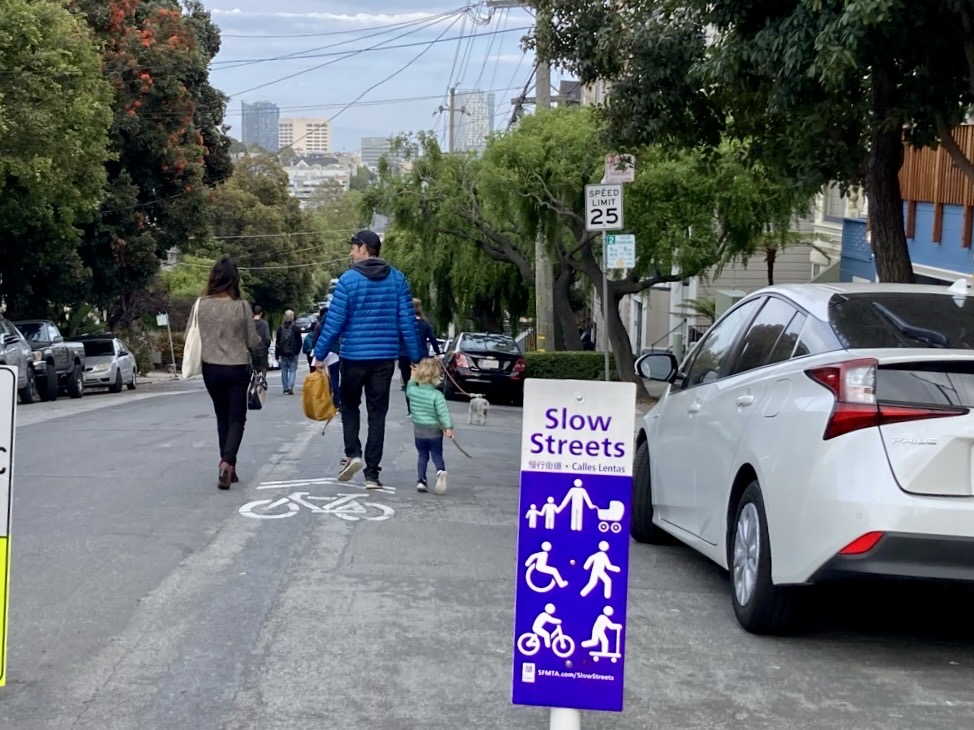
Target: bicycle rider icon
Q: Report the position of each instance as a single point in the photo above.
(561, 644)
(538, 563)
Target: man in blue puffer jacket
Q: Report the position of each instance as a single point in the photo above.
(371, 309)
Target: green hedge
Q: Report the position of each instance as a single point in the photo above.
(568, 365)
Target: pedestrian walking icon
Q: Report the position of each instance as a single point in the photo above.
(600, 567)
(538, 563)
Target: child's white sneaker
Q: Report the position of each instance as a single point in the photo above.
(440, 487)
(421, 487)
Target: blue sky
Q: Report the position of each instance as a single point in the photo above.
(313, 27)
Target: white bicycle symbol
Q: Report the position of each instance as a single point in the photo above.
(530, 643)
(344, 506)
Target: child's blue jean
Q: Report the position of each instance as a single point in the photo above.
(427, 449)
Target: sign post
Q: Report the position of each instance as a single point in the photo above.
(573, 547)
(163, 319)
(8, 406)
(604, 212)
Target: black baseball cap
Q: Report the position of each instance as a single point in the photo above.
(367, 238)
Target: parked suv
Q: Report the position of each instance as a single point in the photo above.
(58, 364)
(108, 363)
(15, 351)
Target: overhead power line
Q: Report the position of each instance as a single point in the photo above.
(258, 36)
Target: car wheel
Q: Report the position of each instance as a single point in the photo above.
(449, 391)
(641, 526)
(48, 389)
(76, 382)
(28, 394)
(135, 376)
(116, 387)
(760, 606)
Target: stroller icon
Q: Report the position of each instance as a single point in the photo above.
(611, 517)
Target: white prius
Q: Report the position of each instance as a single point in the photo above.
(817, 432)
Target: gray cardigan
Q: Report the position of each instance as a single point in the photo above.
(227, 330)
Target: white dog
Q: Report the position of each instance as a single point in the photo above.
(477, 412)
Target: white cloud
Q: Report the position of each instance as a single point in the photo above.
(359, 18)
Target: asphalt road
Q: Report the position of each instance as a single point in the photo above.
(143, 598)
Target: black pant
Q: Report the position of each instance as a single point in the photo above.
(227, 386)
(374, 377)
(405, 372)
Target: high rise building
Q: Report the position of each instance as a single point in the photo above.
(373, 150)
(305, 136)
(473, 120)
(259, 125)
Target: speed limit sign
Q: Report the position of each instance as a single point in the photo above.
(603, 208)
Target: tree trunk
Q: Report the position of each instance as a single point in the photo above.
(566, 327)
(891, 254)
(620, 344)
(770, 256)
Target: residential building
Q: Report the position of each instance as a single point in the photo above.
(310, 175)
(373, 150)
(473, 120)
(305, 136)
(259, 125)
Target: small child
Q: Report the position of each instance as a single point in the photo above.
(431, 419)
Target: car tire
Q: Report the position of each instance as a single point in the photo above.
(135, 377)
(116, 387)
(76, 382)
(761, 607)
(28, 394)
(641, 526)
(48, 390)
(449, 391)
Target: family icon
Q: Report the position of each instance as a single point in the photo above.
(576, 501)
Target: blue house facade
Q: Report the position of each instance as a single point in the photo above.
(934, 262)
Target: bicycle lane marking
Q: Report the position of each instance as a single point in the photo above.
(344, 506)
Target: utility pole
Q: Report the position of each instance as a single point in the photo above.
(544, 305)
(452, 109)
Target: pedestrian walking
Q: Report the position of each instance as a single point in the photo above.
(424, 330)
(370, 310)
(332, 359)
(264, 333)
(229, 338)
(287, 348)
(431, 420)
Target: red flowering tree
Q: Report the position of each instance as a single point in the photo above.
(168, 142)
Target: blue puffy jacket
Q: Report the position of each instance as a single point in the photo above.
(371, 309)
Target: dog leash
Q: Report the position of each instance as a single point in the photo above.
(447, 372)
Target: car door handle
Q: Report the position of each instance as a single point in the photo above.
(745, 400)
(695, 408)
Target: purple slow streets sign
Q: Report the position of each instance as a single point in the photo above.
(573, 544)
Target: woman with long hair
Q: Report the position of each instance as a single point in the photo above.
(229, 337)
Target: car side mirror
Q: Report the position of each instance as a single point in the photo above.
(122, 353)
(659, 366)
(57, 340)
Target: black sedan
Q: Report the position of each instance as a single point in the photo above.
(487, 364)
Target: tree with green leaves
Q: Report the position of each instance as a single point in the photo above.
(168, 142)
(253, 219)
(690, 210)
(54, 118)
(825, 91)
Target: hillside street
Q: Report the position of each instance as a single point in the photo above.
(142, 597)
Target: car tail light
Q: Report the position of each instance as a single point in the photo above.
(460, 360)
(862, 544)
(853, 384)
(518, 368)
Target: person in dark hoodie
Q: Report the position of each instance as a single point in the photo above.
(371, 310)
(424, 330)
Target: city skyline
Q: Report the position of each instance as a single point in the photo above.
(270, 54)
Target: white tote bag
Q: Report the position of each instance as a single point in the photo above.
(193, 349)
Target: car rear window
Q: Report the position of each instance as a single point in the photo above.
(489, 343)
(901, 319)
(99, 348)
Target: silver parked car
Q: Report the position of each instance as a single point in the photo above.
(108, 363)
(15, 351)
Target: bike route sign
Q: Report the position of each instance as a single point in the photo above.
(573, 544)
(8, 404)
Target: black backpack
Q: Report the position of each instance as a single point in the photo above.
(285, 341)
